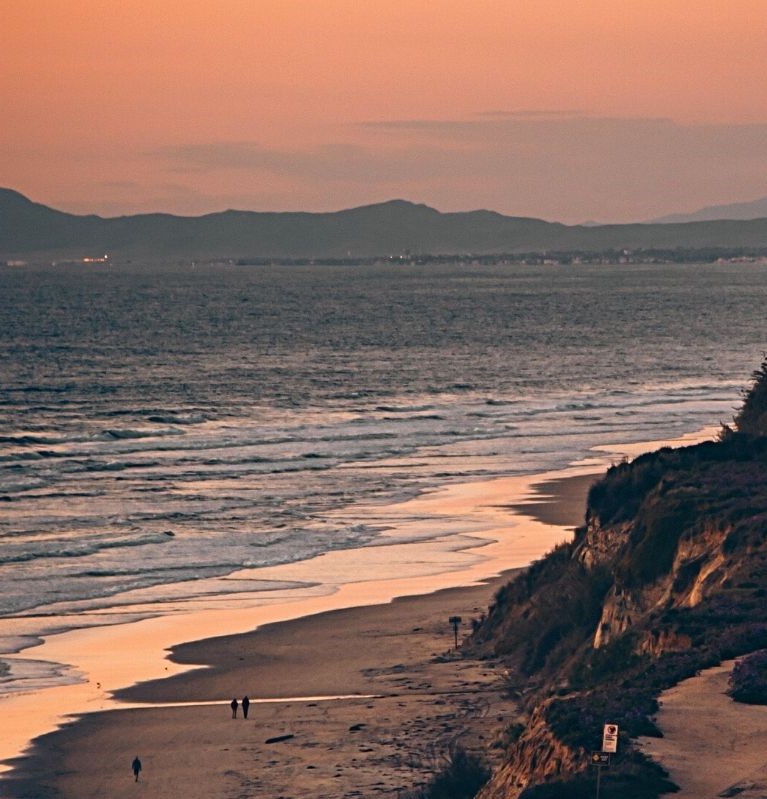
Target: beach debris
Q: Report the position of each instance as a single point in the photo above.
(356, 727)
(278, 738)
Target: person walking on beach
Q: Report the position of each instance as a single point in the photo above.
(136, 766)
(245, 706)
(233, 705)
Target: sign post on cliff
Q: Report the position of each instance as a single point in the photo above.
(610, 738)
(609, 746)
(455, 621)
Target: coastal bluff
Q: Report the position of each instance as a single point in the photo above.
(666, 577)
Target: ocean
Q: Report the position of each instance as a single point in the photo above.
(163, 427)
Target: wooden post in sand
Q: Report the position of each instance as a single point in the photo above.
(455, 621)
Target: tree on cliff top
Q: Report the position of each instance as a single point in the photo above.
(752, 417)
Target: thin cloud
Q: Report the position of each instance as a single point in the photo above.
(531, 113)
(339, 162)
(555, 164)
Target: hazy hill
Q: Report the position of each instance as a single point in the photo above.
(755, 209)
(395, 227)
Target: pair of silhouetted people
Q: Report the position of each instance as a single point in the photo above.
(245, 705)
(136, 766)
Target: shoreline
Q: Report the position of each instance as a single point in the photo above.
(486, 561)
(510, 536)
(413, 701)
(486, 540)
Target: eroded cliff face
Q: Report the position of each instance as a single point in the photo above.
(599, 545)
(538, 756)
(669, 575)
(681, 551)
(699, 568)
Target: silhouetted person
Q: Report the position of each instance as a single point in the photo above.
(245, 706)
(233, 705)
(136, 766)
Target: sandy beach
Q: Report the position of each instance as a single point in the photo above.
(415, 701)
(414, 698)
(355, 685)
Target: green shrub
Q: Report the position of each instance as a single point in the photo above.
(462, 778)
(748, 681)
(752, 417)
(632, 776)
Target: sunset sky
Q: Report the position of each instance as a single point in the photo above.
(571, 110)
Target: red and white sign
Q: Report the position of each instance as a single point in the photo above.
(610, 738)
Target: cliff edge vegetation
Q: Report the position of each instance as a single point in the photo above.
(667, 576)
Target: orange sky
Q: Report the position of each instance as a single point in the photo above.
(567, 109)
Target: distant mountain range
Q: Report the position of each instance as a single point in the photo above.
(28, 229)
(756, 209)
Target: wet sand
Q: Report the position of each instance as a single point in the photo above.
(416, 699)
(561, 501)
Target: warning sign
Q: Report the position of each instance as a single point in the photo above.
(610, 738)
